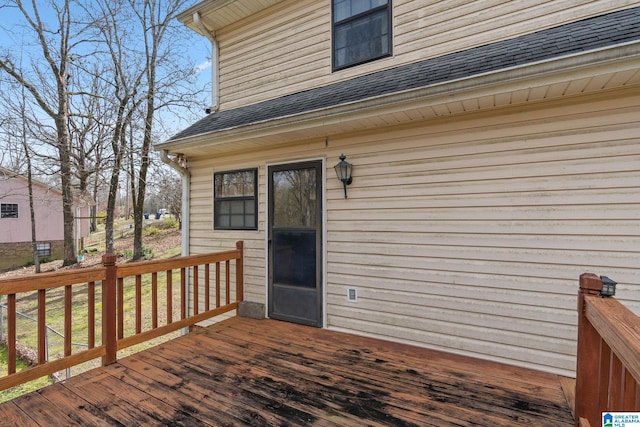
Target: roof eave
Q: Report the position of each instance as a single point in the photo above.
(217, 14)
(566, 68)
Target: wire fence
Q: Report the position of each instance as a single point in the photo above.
(53, 338)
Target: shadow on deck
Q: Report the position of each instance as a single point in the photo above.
(267, 373)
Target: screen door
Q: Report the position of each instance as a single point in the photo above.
(295, 243)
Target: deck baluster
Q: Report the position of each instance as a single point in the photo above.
(154, 300)
(217, 284)
(109, 309)
(169, 296)
(42, 326)
(227, 281)
(91, 315)
(207, 289)
(68, 314)
(183, 293)
(196, 293)
(138, 303)
(11, 332)
(240, 272)
(120, 304)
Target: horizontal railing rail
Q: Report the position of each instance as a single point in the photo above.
(608, 359)
(80, 293)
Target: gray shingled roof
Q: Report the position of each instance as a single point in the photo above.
(580, 36)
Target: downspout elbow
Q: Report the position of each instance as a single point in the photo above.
(182, 170)
(215, 63)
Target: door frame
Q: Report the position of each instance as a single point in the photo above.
(323, 237)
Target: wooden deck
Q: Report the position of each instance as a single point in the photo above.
(270, 373)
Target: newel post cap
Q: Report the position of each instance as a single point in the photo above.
(109, 259)
(590, 283)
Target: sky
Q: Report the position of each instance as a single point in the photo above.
(11, 26)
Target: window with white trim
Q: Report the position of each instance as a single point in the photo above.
(361, 31)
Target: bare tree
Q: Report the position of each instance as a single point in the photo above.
(46, 79)
(124, 77)
(11, 153)
(16, 128)
(164, 76)
(90, 130)
(27, 154)
(166, 189)
(100, 80)
(145, 46)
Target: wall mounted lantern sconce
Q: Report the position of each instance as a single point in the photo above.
(343, 171)
(608, 287)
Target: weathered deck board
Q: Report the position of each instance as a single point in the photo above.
(266, 373)
(12, 415)
(76, 407)
(360, 358)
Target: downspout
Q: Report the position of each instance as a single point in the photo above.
(215, 64)
(184, 174)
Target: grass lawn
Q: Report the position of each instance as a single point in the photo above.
(23, 388)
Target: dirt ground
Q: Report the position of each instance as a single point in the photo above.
(166, 241)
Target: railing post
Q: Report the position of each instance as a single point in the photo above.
(588, 357)
(240, 272)
(109, 309)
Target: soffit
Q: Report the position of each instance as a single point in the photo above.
(216, 14)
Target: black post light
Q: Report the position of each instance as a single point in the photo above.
(343, 171)
(608, 287)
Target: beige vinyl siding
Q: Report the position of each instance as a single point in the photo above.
(445, 27)
(260, 57)
(287, 48)
(469, 235)
(204, 239)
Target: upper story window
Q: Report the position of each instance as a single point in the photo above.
(361, 31)
(8, 210)
(235, 200)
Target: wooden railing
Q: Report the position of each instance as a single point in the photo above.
(81, 292)
(608, 362)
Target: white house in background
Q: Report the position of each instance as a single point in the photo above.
(495, 152)
(15, 221)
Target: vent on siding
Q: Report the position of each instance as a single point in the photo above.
(352, 295)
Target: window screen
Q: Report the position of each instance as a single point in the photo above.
(361, 31)
(235, 197)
